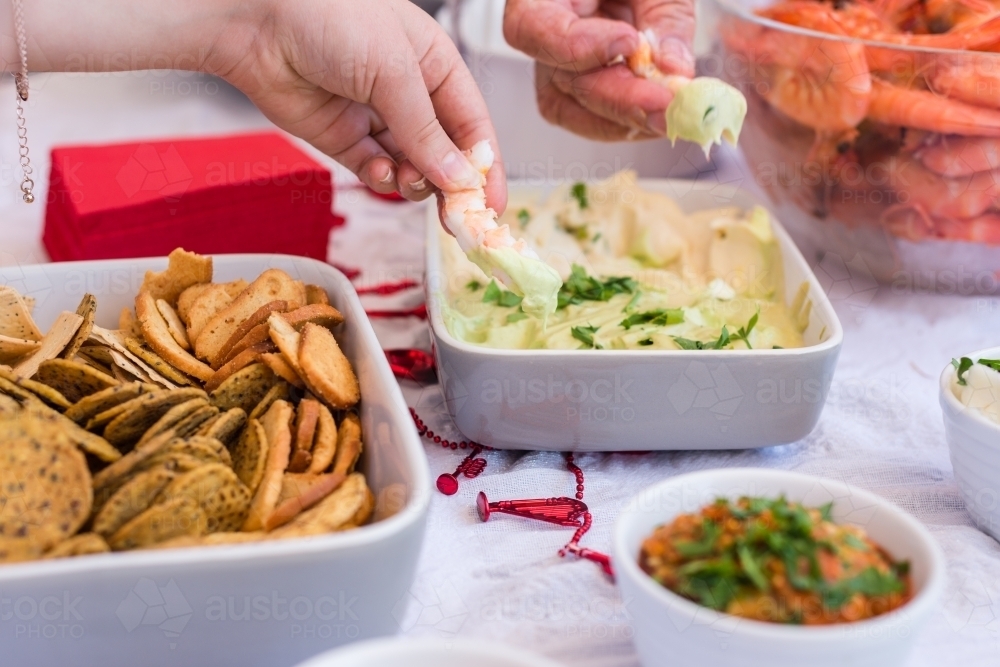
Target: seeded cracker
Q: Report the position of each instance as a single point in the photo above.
(244, 389)
(131, 499)
(74, 379)
(173, 518)
(88, 311)
(250, 455)
(223, 497)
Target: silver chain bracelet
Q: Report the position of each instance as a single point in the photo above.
(21, 86)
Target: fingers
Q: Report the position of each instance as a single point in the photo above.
(673, 22)
(551, 32)
(561, 109)
(412, 184)
(371, 163)
(616, 94)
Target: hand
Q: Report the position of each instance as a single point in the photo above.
(573, 41)
(376, 84)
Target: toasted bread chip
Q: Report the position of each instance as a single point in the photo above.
(258, 334)
(226, 427)
(325, 370)
(88, 311)
(272, 285)
(281, 390)
(15, 317)
(208, 304)
(131, 499)
(86, 441)
(96, 403)
(250, 455)
(173, 518)
(170, 419)
(257, 318)
(43, 391)
(325, 446)
(237, 363)
(153, 361)
(287, 339)
(127, 322)
(84, 544)
(157, 336)
(280, 366)
(244, 388)
(218, 490)
(278, 433)
(73, 379)
(299, 492)
(306, 418)
(174, 324)
(324, 315)
(19, 549)
(348, 444)
(136, 416)
(44, 482)
(348, 506)
(316, 294)
(187, 299)
(53, 343)
(184, 269)
(13, 350)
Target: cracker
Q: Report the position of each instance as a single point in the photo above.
(226, 427)
(88, 311)
(287, 339)
(13, 350)
(205, 307)
(157, 336)
(279, 444)
(115, 340)
(306, 418)
(316, 294)
(223, 497)
(280, 390)
(12, 389)
(45, 488)
(325, 446)
(257, 318)
(184, 269)
(155, 362)
(53, 343)
(43, 391)
(187, 299)
(127, 322)
(117, 471)
(349, 505)
(84, 544)
(15, 317)
(131, 499)
(244, 389)
(96, 403)
(237, 363)
(174, 324)
(325, 370)
(250, 455)
(87, 442)
(280, 366)
(205, 449)
(167, 421)
(136, 416)
(98, 353)
(272, 285)
(173, 518)
(8, 407)
(19, 550)
(348, 444)
(73, 379)
(324, 315)
(299, 492)
(258, 334)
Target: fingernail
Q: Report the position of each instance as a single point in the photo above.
(677, 54)
(621, 48)
(656, 122)
(389, 177)
(419, 186)
(460, 171)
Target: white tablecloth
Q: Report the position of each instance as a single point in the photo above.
(881, 428)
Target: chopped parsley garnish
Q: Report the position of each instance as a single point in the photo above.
(473, 285)
(500, 297)
(965, 363)
(516, 316)
(580, 233)
(580, 287)
(596, 238)
(743, 332)
(579, 193)
(659, 317)
(632, 302)
(586, 336)
(646, 341)
(523, 217)
(709, 110)
(724, 339)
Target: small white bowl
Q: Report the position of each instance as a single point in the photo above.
(671, 630)
(428, 652)
(974, 444)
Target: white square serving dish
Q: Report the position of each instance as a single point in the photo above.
(266, 604)
(636, 400)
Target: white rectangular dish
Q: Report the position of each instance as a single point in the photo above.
(629, 400)
(265, 604)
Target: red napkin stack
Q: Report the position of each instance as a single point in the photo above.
(248, 193)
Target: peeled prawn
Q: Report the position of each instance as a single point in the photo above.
(493, 248)
(931, 195)
(961, 156)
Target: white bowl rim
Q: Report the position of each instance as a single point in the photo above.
(399, 646)
(625, 564)
(790, 252)
(955, 407)
(411, 514)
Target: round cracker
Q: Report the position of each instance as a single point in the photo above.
(73, 379)
(227, 426)
(170, 419)
(325, 370)
(244, 388)
(92, 405)
(131, 499)
(173, 518)
(250, 455)
(83, 544)
(43, 391)
(223, 497)
(138, 415)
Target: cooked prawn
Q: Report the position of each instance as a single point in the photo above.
(922, 190)
(923, 110)
(974, 79)
(960, 156)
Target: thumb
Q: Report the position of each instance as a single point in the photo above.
(671, 22)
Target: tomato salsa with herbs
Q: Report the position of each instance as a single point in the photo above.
(777, 561)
